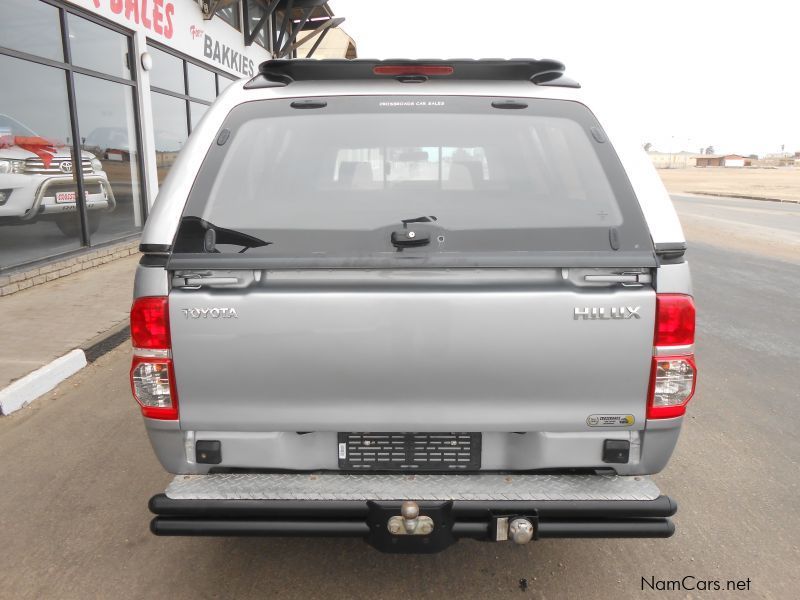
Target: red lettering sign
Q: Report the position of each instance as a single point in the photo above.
(155, 15)
(145, 17)
(132, 9)
(169, 10)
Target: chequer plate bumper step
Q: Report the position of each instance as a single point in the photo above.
(331, 486)
(478, 506)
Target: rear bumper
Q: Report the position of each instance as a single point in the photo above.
(459, 506)
(650, 451)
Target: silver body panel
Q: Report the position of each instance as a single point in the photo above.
(150, 281)
(315, 451)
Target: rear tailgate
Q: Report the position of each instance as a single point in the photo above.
(461, 351)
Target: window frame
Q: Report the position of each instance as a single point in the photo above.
(186, 96)
(69, 71)
(238, 12)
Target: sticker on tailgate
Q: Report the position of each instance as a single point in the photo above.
(610, 420)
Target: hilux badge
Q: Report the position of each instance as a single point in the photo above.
(603, 314)
(210, 313)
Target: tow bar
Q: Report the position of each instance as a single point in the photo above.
(518, 508)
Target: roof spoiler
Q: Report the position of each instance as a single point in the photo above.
(281, 72)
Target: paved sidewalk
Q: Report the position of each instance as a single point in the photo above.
(45, 322)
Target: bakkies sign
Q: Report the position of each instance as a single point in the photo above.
(227, 56)
(154, 15)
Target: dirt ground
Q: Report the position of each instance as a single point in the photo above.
(783, 183)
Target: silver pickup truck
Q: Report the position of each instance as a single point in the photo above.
(412, 301)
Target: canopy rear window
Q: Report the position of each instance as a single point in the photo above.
(330, 184)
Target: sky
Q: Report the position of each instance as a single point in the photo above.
(684, 74)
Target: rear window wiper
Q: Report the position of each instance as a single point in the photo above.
(196, 235)
(422, 219)
(411, 238)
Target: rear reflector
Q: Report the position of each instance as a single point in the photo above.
(672, 383)
(150, 323)
(153, 385)
(152, 373)
(412, 70)
(675, 317)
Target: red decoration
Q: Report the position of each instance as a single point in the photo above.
(41, 147)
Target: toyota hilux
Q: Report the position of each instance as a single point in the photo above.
(37, 182)
(412, 302)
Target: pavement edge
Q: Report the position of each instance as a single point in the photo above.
(35, 384)
(739, 196)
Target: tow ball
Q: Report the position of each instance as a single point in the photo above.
(409, 521)
(520, 531)
(517, 529)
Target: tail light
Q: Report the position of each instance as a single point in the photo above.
(152, 373)
(672, 383)
(673, 374)
(674, 320)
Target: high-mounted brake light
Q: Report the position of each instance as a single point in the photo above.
(412, 70)
(673, 374)
(152, 374)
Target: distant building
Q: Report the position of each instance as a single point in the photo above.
(672, 160)
(727, 160)
(337, 44)
(782, 159)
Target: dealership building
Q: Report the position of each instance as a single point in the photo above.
(99, 96)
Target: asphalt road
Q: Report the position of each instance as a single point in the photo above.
(77, 471)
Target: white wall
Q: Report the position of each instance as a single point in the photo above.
(734, 162)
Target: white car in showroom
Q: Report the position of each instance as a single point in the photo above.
(37, 180)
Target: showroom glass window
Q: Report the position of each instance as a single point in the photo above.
(107, 119)
(51, 148)
(181, 92)
(39, 113)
